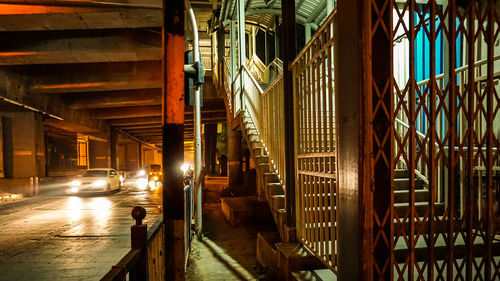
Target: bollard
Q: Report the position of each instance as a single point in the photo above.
(139, 236)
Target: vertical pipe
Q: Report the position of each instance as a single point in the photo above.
(221, 52)
(308, 32)
(197, 125)
(289, 52)
(276, 38)
(173, 137)
(241, 49)
(266, 49)
(232, 49)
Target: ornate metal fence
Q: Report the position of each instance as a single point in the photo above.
(434, 134)
(315, 145)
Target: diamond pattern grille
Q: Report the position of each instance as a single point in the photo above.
(435, 71)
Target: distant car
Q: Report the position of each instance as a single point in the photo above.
(96, 180)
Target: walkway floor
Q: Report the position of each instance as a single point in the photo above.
(226, 252)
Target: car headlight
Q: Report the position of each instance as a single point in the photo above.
(99, 183)
(74, 190)
(155, 178)
(142, 183)
(75, 183)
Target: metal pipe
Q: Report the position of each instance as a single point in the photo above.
(30, 108)
(197, 125)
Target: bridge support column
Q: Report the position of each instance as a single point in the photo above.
(113, 148)
(289, 52)
(99, 153)
(22, 146)
(234, 167)
(173, 138)
(210, 148)
(132, 156)
(363, 90)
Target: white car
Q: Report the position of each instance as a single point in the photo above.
(96, 180)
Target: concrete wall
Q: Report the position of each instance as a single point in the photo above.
(98, 154)
(24, 144)
(132, 156)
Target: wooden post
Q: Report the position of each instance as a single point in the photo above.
(138, 238)
(289, 52)
(173, 137)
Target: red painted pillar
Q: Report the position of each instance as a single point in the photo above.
(173, 137)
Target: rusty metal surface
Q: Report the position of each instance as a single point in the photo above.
(434, 140)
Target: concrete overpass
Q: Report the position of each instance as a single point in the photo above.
(83, 73)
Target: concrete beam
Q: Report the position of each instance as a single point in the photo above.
(135, 121)
(93, 77)
(23, 18)
(148, 111)
(12, 87)
(93, 100)
(79, 47)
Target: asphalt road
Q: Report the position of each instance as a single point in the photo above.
(59, 237)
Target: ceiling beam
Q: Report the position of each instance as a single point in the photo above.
(92, 77)
(145, 111)
(79, 47)
(93, 100)
(25, 19)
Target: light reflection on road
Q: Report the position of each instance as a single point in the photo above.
(74, 207)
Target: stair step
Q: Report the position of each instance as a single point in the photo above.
(314, 275)
(278, 201)
(420, 207)
(262, 159)
(401, 173)
(441, 249)
(275, 188)
(402, 196)
(403, 183)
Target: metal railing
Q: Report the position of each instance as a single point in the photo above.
(316, 188)
(146, 261)
(271, 126)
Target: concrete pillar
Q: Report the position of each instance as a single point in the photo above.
(139, 157)
(289, 52)
(98, 154)
(210, 148)
(113, 147)
(132, 156)
(23, 144)
(234, 167)
(173, 138)
(121, 161)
